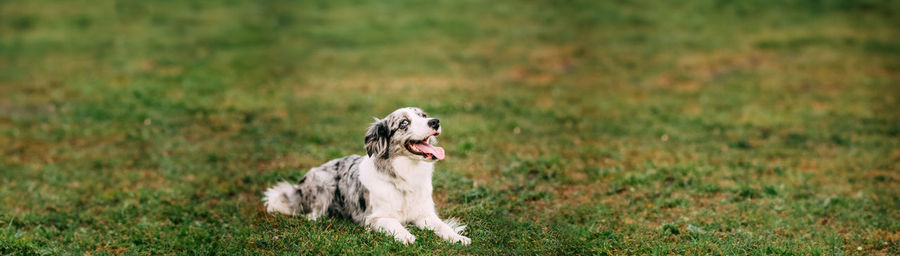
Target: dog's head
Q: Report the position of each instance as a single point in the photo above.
(406, 132)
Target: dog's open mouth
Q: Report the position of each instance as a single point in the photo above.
(424, 149)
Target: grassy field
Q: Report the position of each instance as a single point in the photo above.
(575, 127)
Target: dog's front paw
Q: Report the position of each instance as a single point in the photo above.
(406, 239)
(459, 238)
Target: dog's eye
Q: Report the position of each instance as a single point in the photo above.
(423, 115)
(404, 123)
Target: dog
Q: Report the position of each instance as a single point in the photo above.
(386, 189)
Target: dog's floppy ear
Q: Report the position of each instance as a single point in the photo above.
(377, 140)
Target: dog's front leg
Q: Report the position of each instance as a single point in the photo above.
(393, 227)
(442, 229)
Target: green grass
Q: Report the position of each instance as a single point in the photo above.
(576, 127)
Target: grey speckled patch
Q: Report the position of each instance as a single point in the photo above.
(334, 187)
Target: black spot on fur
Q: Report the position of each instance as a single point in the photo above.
(339, 197)
(303, 179)
(299, 192)
(362, 203)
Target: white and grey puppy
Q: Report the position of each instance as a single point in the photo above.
(385, 190)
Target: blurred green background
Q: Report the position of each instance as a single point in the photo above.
(572, 127)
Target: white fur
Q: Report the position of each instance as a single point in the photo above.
(405, 200)
(282, 198)
(418, 125)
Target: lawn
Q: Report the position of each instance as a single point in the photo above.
(571, 127)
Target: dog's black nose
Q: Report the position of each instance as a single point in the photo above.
(434, 123)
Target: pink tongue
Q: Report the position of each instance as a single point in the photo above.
(438, 152)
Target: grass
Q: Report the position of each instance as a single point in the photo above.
(578, 127)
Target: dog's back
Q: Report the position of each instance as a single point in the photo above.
(332, 188)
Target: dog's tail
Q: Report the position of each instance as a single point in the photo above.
(282, 198)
